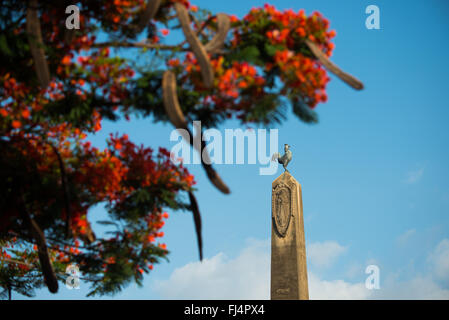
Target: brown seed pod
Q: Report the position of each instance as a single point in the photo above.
(196, 45)
(44, 258)
(217, 42)
(210, 171)
(216, 179)
(65, 190)
(352, 81)
(174, 112)
(171, 103)
(69, 35)
(197, 220)
(33, 29)
(150, 11)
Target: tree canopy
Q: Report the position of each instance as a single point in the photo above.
(57, 85)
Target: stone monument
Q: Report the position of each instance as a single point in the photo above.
(288, 250)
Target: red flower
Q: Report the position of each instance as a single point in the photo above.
(16, 124)
(66, 60)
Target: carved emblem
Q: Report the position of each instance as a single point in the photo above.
(282, 208)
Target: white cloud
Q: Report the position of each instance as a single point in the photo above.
(355, 269)
(439, 260)
(414, 176)
(336, 289)
(324, 254)
(245, 277)
(248, 276)
(405, 237)
(417, 288)
(432, 285)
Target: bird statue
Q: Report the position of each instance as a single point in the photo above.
(285, 159)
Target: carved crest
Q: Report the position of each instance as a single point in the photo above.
(282, 208)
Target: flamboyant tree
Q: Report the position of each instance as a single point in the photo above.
(58, 84)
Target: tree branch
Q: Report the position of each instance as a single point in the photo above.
(123, 44)
(198, 25)
(33, 29)
(16, 262)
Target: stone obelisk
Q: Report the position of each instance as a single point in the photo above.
(288, 250)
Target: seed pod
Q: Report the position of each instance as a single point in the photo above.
(196, 45)
(33, 29)
(171, 103)
(197, 220)
(215, 178)
(69, 35)
(44, 258)
(150, 11)
(352, 81)
(174, 112)
(206, 162)
(217, 42)
(65, 190)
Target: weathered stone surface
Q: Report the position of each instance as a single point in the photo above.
(288, 250)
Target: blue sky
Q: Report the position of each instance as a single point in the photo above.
(374, 173)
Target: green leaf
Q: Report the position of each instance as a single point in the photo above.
(4, 46)
(105, 222)
(250, 54)
(304, 112)
(272, 49)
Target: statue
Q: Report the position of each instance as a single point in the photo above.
(288, 245)
(285, 159)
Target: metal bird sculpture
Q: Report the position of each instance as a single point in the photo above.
(285, 159)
